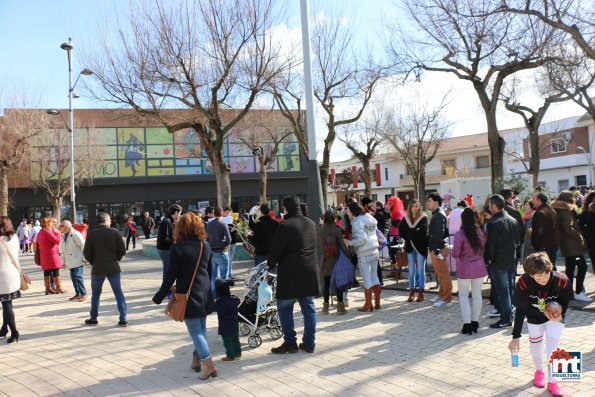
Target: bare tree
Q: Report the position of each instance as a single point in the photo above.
(208, 57)
(50, 160)
(462, 38)
(18, 126)
(345, 180)
(363, 140)
(263, 142)
(416, 136)
(573, 17)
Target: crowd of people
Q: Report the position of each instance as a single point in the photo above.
(310, 260)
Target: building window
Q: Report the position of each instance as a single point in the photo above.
(374, 197)
(448, 165)
(386, 173)
(581, 180)
(559, 145)
(482, 162)
(563, 184)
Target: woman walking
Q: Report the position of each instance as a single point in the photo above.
(587, 225)
(572, 243)
(48, 243)
(330, 239)
(130, 233)
(468, 248)
(414, 230)
(10, 278)
(363, 238)
(189, 251)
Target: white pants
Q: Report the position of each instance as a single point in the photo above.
(553, 332)
(368, 267)
(470, 313)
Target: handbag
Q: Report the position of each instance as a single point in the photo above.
(401, 258)
(37, 255)
(176, 307)
(25, 280)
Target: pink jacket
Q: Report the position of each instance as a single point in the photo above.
(471, 263)
(48, 242)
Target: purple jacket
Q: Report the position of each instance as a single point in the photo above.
(471, 263)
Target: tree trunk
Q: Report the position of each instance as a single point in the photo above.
(496, 152)
(3, 191)
(367, 178)
(324, 173)
(420, 187)
(57, 207)
(534, 156)
(222, 180)
(262, 180)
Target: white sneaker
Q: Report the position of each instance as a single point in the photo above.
(436, 299)
(493, 313)
(582, 297)
(442, 304)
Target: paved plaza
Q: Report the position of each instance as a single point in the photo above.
(404, 349)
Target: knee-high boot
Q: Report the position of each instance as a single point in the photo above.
(58, 284)
(47, 281)
(367, 307)
(377, 290)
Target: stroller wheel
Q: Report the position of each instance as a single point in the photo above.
(244, 329)
(275, 333)
(254, 341)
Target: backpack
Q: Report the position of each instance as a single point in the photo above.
(330, 247)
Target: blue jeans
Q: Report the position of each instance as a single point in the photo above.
(97, 285)
(258, 259)
(220, 262)
(417, 270)
(197, 329)
(503, 280)
(164, 255)
(148, 235)
(232, 250)
(76, 275)
(285, 310)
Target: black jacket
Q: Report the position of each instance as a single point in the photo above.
(148, 224)
(510, 210)
(227, 314)
(294, 253)
(415, 234)
(503, 239)
(219, 236)
(382, 216)
(545, 229)
(264, 232)
(182, 262)
(586, 223)
(528, 294)
(104, 249)
(165, 235)
(438, 230)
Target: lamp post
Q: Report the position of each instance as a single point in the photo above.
(582, 149)
(71, 94)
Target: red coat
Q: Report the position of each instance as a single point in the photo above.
(48, 241)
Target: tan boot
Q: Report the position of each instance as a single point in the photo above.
(420, 295)
(341, 308)
(324, 308)
(412, 292)
(195, 362)
(47, 281)
(377, 290)
(208, 369)
(58, 284)
(367, 307)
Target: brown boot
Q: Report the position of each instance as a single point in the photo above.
(377, 290)
(47, 281)
(412, 292)
(367, 307)
(324, 308)
(341, 308)
(195, 362)
(208, 370)
(58, 284)
(420, 295)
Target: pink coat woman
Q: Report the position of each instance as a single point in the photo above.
(48, 241)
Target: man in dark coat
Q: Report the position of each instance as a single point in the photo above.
(148, 224)
(293, 252)
(263, 233)
(104, 249)
(508, 195)
(544, 230)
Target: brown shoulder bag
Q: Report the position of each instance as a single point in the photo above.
(176, 307)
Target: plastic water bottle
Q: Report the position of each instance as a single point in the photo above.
(514, 358)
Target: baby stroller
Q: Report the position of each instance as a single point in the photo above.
(256, 315)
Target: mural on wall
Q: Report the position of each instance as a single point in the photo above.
(139, 152)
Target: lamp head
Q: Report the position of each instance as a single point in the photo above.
(582, 149)
(75, 94)
(87, 72)
(66, 46)
(53, 112)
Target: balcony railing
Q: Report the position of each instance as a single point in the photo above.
(460, 172)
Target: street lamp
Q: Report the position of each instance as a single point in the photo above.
(71, 94)
(582, 149)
